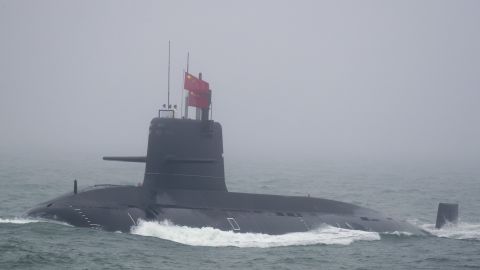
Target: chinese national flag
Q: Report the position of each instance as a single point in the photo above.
(199, 100)
(195, 85)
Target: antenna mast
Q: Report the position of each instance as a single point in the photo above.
(168, 87)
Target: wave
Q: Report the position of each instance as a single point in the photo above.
(16, 220)
(208, 236)
(398, 233)
(22, 220)
(462, 231)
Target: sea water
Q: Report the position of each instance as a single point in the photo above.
(402, 190)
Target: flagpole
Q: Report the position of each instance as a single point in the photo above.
(183, 90)
(211, 106)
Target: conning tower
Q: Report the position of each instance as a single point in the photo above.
(184, 153)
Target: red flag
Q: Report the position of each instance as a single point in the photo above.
(194, 84)
(199, 100)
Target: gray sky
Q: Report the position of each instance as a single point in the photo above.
(356, 79)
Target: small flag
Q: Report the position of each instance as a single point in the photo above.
(199, 100)
(195, 85)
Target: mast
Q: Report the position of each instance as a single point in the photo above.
(198, 96)
(168, 86)
(186, 98)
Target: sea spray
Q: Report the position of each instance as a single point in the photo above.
(208, 236)
(23, 220)
(16, 220)
(462, 230)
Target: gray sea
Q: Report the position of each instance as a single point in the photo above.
(405, 190)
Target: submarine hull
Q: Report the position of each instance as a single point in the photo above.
(184, 183)
(119, 208)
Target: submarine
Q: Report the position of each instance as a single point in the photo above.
(184, 183)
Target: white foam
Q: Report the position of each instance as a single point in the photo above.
(462, 230)
(398, 233)
(16, 220)
(208, 236)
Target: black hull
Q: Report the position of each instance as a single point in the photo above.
(185, 183)
(118, 208)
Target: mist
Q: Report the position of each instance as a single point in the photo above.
(377, 80)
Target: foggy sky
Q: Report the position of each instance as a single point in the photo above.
(361, 79)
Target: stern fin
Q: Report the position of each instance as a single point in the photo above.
(447, 213)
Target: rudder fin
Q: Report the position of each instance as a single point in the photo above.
(447, 213)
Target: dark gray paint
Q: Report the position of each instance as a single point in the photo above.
(185, 183)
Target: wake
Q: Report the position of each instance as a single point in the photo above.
(16, 220)
(23, 220)
(461, 231)
(208, 236)
(325, 235)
